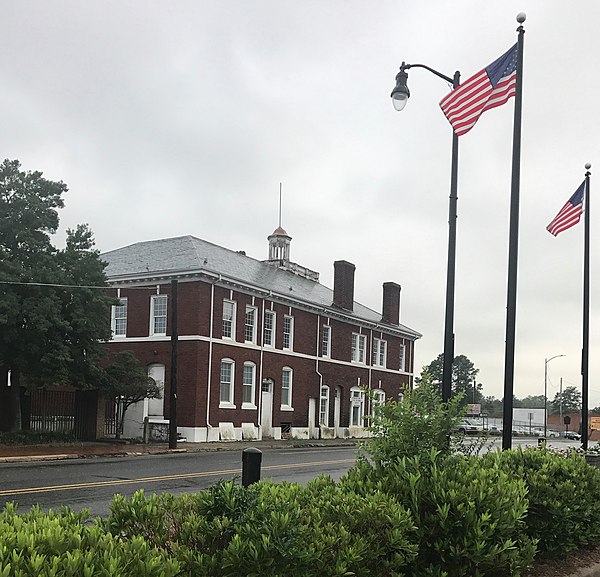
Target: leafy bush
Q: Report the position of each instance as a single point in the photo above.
(470, 518)
(320, 530)
(34, 438)
(414, 425)
(564, 509)
(54, 544)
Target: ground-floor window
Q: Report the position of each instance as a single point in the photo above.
(324, 406)
(226, 392)
(357, 407)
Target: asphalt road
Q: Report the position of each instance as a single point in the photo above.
(92, 483)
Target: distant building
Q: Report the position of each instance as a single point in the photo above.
(264, 349)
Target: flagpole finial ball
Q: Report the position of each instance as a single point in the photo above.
(588, 165)
(521, 17)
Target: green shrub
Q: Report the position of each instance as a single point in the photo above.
(53, 544)
(414, 425)
(34, 438)
(269, 530)
(470, 518)
(563, 493)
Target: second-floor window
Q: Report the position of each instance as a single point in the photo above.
(119, 319)
(158, 315)
(288, 332)
(326, 342)
(250, 325)
(379, 352)
(359, 346)
(269, 329)
(228, 320)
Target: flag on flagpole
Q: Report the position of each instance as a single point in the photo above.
(569, 214)
(489, 88)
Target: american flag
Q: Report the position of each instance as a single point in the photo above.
(569, 214)
(489, 88)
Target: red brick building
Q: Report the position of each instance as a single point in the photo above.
(263, 348)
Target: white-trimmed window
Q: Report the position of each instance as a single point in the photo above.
(357, 407)
(286, 388)
(249, 386)
(158, 315)
(378, 399)
(288, 332)
(402, 358)
(326, 341)
(269, 329)
(324, 406)
(229, 319)
(359, 346)
(118, 320)
(379, 353)
(250, 324)
(226, 391)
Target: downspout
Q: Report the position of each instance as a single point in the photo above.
(318, 408)
(260, 369)
(210, 351)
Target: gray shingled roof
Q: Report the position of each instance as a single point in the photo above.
(188, 253)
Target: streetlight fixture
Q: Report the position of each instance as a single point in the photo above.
(400, 96)
(546, 361)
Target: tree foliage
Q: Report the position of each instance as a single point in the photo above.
(127, 381)
(51, 333)
(569, 401)
(464, 374)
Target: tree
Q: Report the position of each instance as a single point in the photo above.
(532, 402)
(464, 374)
(127, 381)
(569, 401)
(52, 324)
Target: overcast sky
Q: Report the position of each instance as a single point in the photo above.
(175, 118)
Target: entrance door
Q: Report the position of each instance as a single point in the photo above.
(266, 410)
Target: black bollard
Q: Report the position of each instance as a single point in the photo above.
(541, 441)
(251, 459)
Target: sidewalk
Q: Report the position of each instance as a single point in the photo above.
(81, 450)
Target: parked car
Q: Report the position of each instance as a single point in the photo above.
(574, 436)
(466, 427)
(552, 433)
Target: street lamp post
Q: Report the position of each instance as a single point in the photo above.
(400, 96)
(546, 361)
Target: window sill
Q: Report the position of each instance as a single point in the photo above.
(249, 406)
(286, 408)
(223, 405)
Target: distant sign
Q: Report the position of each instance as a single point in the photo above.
(476, 410)
(595, 423)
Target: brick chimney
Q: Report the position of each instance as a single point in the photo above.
(343, 284)
(391, 303)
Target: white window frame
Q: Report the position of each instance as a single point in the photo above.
(359, 348)
(288, 333)
(326, 342)
(249, 384)
(229, 322)
(269, 330)
(377, 399)
(226, 401)
(379, 353)
(403, 358)
(357, 407)
(250, 328)
(154, 317)
(324, 406)
(288, 382)
(114, 318)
